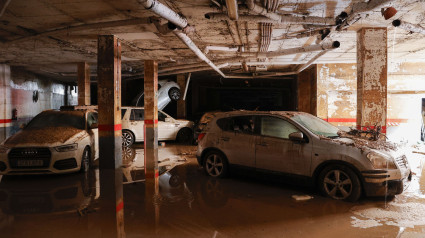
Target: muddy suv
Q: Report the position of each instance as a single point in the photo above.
(301, 145)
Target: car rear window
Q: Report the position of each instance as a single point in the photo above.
(244, 124)
(123, 111)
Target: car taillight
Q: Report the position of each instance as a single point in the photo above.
(200, 136)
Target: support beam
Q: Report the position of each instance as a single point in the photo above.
(372, 63)
(83, 84)
(110, 151)
(151, 142)
(181, 104)
(5, 102)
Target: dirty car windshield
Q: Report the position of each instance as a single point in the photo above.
(316, 125)
(58, 119)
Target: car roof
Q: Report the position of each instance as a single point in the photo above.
(287, 114)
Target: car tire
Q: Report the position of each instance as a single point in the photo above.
(85, 160)
(127, 138)
(340, 182)
(184, 135)
(174, 93)
(215, 164)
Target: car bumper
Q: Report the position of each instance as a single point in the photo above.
(388, 187)
(59, 162)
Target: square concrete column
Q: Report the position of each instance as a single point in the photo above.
(181, 104)
(83, 84)
(110, 148)
(151, 143)
(5, 102)
(372, 61)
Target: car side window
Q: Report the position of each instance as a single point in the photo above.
(161, 116)
(137, 115)
(276, 127)
(91, 119)
(242, 124)
(123, 111)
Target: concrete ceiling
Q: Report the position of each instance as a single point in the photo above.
(28, 37)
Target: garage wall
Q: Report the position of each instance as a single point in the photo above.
(337, 97)
(23, 95)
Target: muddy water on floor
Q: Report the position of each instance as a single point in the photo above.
(190, 204)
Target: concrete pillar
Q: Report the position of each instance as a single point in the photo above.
(151, 142)
(83, 84)
(110, 149)
(5, 102)
(307, 90)
(181, 104)
(372, 61)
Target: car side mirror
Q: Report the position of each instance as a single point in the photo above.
(23, 125)
(297, 137)
(94, 126)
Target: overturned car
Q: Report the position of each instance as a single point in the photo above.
(301, 145)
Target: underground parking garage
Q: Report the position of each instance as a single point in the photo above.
(212, 118)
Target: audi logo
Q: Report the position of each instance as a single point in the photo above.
(29, 152)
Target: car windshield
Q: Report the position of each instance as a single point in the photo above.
(74, 119)
(316, 125)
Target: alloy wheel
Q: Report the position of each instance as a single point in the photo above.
(337, 184)
(214, 165)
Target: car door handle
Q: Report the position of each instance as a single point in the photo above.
(224, 138)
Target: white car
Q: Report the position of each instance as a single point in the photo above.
(167, 91)
(54, 141)
(168, 127)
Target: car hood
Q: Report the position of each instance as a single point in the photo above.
(365, 144)
(50, 137)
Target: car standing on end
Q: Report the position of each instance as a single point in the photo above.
(301, 145)
(53, 142)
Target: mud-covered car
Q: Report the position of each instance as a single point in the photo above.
(168, 127)
(54, 141)
(301, 145)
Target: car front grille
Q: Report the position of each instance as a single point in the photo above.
(402, 161)
(30, 157)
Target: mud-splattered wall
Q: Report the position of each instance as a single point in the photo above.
(24, 95)
(337, 97)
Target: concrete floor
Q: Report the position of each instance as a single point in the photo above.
(190, 204)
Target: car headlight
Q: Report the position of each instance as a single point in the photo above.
(380, 161)
(65, 148)
(3, 149)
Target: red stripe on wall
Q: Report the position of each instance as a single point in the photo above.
(120, 206)
(151, 122)
(115, 127)
(5, 121)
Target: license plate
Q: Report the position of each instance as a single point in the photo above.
(30, 163)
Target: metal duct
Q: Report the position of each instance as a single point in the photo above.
(220, 48)
(311, 48)
(282, 19)
(165, 12)
(409, 26)
(183, 37)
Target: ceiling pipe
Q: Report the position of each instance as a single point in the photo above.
(409, 26)
(183, 37)
(282, 19)
(325, 46)
(165, 12)
(360, 8)
(232, 9)
(190, 70)
(220, 48)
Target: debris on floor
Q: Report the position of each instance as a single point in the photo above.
(302, 197)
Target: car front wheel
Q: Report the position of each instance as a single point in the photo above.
(215, 164)
(340, 182)
(174, 93)
(127, 138)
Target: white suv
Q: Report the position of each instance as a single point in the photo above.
(168, 127)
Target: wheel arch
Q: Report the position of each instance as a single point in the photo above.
(208, 150)
(325, 164)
